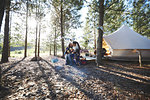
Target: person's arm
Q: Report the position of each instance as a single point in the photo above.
(67, 50)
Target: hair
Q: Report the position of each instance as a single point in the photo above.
(69, 45)
(75, 42)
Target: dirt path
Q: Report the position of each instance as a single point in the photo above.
(54, 81)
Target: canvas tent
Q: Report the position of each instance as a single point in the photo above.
(124, 42)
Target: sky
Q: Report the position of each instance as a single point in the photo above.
(79, 31)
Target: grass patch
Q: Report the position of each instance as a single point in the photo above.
(30, 53)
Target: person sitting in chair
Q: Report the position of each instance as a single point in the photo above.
(103, 52)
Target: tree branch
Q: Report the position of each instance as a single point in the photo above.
(115, 9)
(111, 5)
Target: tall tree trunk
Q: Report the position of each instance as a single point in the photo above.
(6, 34)
(55, 43)
(36, 31)
(62, 34)
(56, 48)
(2, 8)
(26, 35)
(10, 34)
(39, 39)
(0, 76)
(100, 32)
(94, 36)
(50, 50)
(36, 40)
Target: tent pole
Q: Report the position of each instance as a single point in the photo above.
(140, 57)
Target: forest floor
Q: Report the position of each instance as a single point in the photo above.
(43, 80)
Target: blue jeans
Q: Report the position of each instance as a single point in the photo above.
(76, 58)
(69, 59)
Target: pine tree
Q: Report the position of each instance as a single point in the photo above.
(140, 16)
(114, 17)
(67, 11)
(2, 8)
(106, 16)
(100, 33)
(87, 36)
(26, 35)
(6, 34)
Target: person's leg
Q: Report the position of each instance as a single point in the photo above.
(67, 60)
(78, 60)
(70, 58)
(75, 59)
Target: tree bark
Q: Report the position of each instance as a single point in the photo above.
(39, 40)
(36, 32)
(55, 43)
(56, 48)
(94, 36)
(39, 37)
(26, 35)
(10, 34)
(2, 8)
(100, 32)
(0, 76)
(36, 40)
(6, 34)
(62, 34)
(50, 50)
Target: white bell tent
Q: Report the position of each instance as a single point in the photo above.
(124, 42)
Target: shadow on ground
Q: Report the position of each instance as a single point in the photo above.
(4, 89)
(123, 77)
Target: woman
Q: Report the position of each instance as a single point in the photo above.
(68, 53)
(76, 52)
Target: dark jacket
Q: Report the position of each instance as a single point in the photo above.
(68, 50)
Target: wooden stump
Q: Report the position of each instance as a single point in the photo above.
(36, 59)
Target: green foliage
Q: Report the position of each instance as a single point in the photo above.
(140, 16)
(64, 18)
(87, 36)
(136, 13)
(113, 17)
(70, 13)
(18, 52)
(16, 38)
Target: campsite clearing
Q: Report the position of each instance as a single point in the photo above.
(42, 79)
